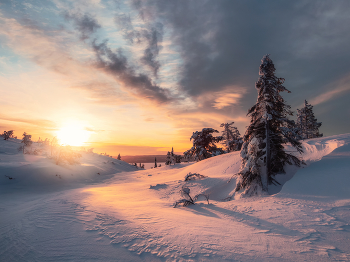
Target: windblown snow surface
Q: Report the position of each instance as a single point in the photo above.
(104, 211)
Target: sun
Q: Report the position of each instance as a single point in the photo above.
(73, 135)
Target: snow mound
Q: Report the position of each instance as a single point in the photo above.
(328, 177)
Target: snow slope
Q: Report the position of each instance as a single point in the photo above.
(130, 216)
(40, 172)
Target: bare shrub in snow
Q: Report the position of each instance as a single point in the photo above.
(205, 196)
(193, 176)
(54, 145)
(187, 199)
(67, 155)
(46, 142)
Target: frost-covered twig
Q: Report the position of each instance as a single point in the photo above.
(187, 200)
(193, 176)
(205, 195)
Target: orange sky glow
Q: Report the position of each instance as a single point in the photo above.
(140, 79)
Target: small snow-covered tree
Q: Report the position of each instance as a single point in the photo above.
(155, 162)
(119, 157)
(178, 159)
(263, 154)
(7, 134)
(204, 144)
(172, 156)
(26, 140)
(168, 159)
(231, 137)
(307, 123)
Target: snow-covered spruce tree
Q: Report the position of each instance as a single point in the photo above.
(204, 144)
(119, 157)
(231, 137)
(172, 156)
(307, 123)
(263, 154)
(168, 158)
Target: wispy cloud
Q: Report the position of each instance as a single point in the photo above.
(86, 24)
(93, 130)
(226, 100)
(337, 88)
(148, 34)
(43, 123)
(116, 64)
(56, 53)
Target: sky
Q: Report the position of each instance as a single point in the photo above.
(140, 76)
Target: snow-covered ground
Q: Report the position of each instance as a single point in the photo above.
(125, 215)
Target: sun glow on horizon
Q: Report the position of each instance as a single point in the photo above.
(73, 135)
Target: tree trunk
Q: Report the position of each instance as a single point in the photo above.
(265, 175)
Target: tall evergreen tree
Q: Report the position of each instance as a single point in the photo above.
(231, 137)
(263, 154)
(155, 162)
(307, 123)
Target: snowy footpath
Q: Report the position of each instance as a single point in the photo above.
(105, 210)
